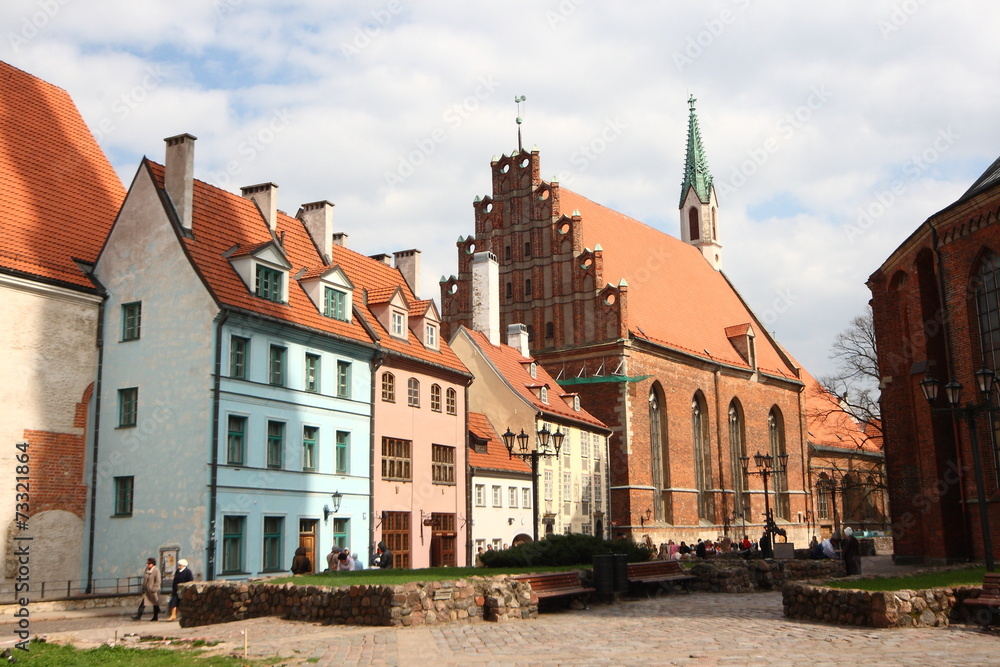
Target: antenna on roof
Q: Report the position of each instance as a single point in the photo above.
(519, 101)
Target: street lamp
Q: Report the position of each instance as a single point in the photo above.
(765, 469)
(336, 497)
(549, 444)
(930, 386)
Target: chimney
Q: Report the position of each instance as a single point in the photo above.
(266, 197)
(340, 238)
(317, 218)
(382, 257)
(178, 177)
(408, 263)
(486, 295)
(517, 338)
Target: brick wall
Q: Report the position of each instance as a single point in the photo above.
(923, 300)
(57, 461)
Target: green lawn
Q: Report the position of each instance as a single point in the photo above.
(52, 655)
(389, 577)
(972, 576)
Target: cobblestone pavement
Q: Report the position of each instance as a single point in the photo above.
(696, 629)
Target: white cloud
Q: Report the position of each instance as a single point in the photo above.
(328, 101)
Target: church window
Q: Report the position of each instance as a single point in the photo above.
(987, 284)
(659, 456)
(550, 330)
(702, 458)
(737, 448)
(510, 290)
(693, 225)
(776, 432)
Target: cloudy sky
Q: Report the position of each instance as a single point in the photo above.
(832, 129)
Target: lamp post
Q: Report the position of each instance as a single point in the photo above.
(336, 497)
(525, 454)
(765, 469)
(953, 392)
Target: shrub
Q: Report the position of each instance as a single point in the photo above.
(559, 550)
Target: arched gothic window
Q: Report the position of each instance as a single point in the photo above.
(988, 311)
(702, 458)
(776, 433)
(659, 456)
(693, 224)
(737, 449)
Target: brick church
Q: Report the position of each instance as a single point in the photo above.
(657, 342)
(936, 307)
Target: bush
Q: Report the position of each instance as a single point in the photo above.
(559, 550)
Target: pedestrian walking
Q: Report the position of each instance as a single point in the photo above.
(151, 581)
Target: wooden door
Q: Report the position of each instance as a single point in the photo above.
(307, 539)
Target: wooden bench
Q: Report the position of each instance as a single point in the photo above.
(659, 572)
(989, 599)
(557, 584)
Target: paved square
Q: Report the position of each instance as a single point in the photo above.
(679, 629)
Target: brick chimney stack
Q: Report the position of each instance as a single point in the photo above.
(178, 177)
(266, 197)
(486, 295)
(408, 263)
(317, 217)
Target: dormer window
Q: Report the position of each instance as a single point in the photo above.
(576, 403)
(398, 324)
(544, 394)
(533, 370)
(431, 339)
(268, 284)
(335, 304)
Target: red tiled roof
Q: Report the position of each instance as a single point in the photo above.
(381, 293)
(495, 457)
(418, 308)
(221, 218)
(674, 294)
(59, 194)
(373, 275)
(509, 363)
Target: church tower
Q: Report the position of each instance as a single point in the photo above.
(699, 206)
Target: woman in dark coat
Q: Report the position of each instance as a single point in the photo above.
(183, 575)
(851, 552)
(301, 564)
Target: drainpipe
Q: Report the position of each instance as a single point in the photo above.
(377, 360)
(213, 489)
(97, 434)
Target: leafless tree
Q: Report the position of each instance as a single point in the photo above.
(854, 384)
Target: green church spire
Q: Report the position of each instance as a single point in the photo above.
(696, 174)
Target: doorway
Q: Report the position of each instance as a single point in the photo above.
(307, 538)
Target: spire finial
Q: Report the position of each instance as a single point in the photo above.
(691, 100)
(519, 101)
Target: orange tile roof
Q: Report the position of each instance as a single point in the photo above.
(221, 219)
(60, 195)
(675, 296)
(373, 275)
(495, 457)
(511, 365)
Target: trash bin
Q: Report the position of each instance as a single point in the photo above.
(620, 573)
(604, 574)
